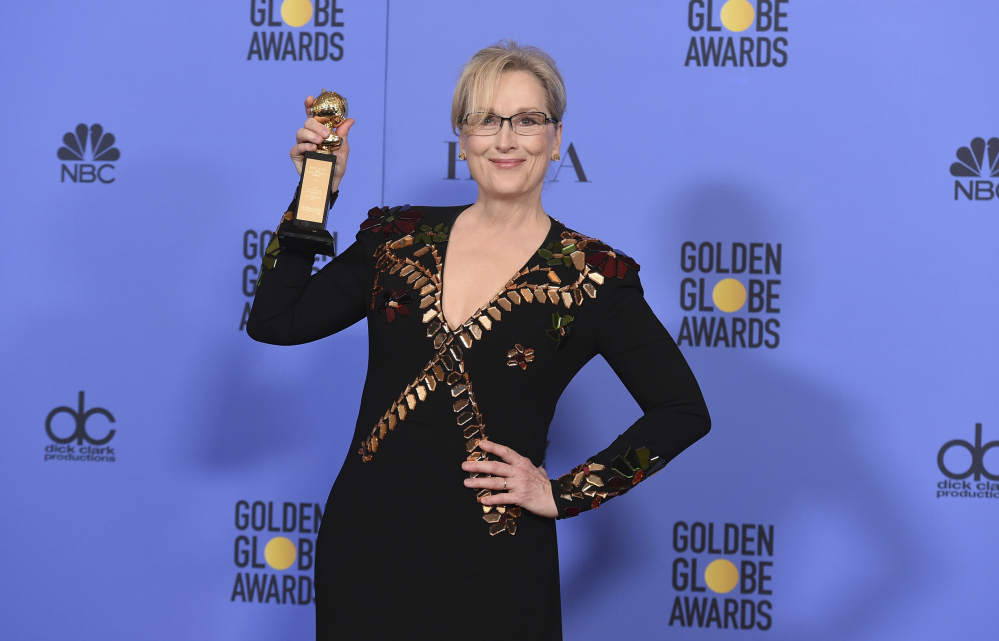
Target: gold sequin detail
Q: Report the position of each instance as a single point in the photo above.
(447, 365)
(519, 356)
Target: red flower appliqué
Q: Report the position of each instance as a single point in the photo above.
(394, 301)
(609, 262)
(397, 220)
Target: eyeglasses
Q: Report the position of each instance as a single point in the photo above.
(528, 123)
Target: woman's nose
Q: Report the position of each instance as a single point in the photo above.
(506, 139)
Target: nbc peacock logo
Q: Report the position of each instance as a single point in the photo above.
(88, 144)
(272, 38)
(978, 160)
(750, 34)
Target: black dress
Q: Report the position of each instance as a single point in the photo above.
(405, 550)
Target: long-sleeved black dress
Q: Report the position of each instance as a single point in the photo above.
(405, 550)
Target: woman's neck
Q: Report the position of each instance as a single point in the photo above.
(505, 215)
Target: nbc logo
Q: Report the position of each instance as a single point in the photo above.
(272, 43)
(737, 16)
(974, 164)
(102, 150)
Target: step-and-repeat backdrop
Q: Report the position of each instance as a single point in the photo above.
(810, 186)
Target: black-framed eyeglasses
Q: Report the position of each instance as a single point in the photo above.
(527, 123)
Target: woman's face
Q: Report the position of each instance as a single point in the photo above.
(507, 164)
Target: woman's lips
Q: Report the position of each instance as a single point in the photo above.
(506, 163)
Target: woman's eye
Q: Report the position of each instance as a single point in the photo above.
(489, 120)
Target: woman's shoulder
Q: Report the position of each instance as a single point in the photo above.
(590, 255)
(424, 223)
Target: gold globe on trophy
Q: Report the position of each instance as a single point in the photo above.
(306, 230)
(329, 109)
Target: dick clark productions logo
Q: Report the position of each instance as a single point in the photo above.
(63, 448)
(100, 155)
(957, 485)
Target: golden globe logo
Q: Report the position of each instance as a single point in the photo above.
(737, 16)
(730, 278)
(752, 547)
(276, 43)
(270, 538)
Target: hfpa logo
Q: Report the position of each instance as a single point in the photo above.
(102, 150)
(569, 161)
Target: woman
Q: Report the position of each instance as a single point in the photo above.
(441, 523)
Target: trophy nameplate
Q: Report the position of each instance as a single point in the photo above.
(306, 231)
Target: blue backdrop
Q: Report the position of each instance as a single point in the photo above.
(810, 187)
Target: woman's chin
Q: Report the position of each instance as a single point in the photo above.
(508, 188)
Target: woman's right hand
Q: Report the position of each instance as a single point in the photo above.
(311, 134)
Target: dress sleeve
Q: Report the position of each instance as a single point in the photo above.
(293, 306)
(649, 363)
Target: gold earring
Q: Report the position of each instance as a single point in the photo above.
(556, 157)
(461, 155)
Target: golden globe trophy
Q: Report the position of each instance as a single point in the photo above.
(306, 231)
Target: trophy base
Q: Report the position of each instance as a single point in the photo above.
(306, 240)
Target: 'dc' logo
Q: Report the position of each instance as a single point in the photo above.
(80, 433)
(977, 452)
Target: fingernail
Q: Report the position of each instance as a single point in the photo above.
(467, 482)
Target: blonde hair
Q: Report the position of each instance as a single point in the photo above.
(479, 76)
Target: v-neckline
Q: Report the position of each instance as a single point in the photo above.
(478, 310)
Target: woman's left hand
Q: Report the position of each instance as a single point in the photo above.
(525, 485)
